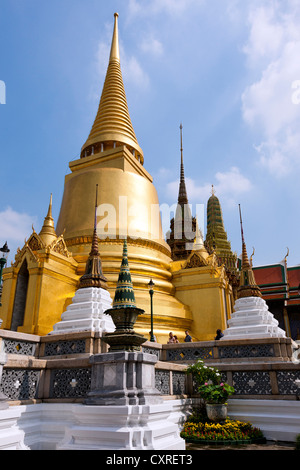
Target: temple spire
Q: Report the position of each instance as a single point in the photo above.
(245, 260)
(182, 195)
(47, 233)
(112, 126)
(114, 50)
(93, 276)
(216, 236)
(248, 286)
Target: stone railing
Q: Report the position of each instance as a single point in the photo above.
(225, 351)
(57, 368)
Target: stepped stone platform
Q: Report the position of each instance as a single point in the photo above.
(252, 319)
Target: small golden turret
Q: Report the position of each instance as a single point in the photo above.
(47, 233)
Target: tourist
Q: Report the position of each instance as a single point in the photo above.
(176, 339)
(188, 338)
(219, 334)
(171, 338)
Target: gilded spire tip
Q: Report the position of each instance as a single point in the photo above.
(50, 207)
(114, 51)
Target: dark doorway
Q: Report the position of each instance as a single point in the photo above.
(20, 297)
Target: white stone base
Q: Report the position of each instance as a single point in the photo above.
(278, 419)
(11, 437)
(251, 319)
(141, 427)
(49, 426)
(55, 426)
(86, 312)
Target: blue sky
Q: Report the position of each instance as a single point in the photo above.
(224, 68)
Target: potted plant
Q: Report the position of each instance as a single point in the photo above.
(212, 390)
(215, 397)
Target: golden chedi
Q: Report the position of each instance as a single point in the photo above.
(47, 270)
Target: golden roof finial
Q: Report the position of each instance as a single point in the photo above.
(47, 233)
(213, 192)
(114, 51)
(50, 207)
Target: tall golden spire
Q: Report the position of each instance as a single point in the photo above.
(47, 232)
(248, 286)
(112, 126)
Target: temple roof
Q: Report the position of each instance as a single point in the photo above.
(278, 282)
(112, 125)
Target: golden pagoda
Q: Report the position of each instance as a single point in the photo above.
(190, 294)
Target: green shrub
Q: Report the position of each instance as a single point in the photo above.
(202, 373)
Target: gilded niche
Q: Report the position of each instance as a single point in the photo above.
(59, 246)
(195, 261)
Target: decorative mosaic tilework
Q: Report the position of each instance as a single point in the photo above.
(260, 350)
(17, 384)
(251, 383)
(156, 352)
(162, 381)
(286, 380)
(70, 383)
(19, 347)
(65, 347)
(178, 382)
(188, 354)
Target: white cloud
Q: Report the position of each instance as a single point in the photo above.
(228, 185)
(272, 50)
(16, 226)
(152, 46)
(133, 72)
(154, 7)
(266, 35)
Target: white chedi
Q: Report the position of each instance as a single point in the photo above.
(87, 312)
(252, 319)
